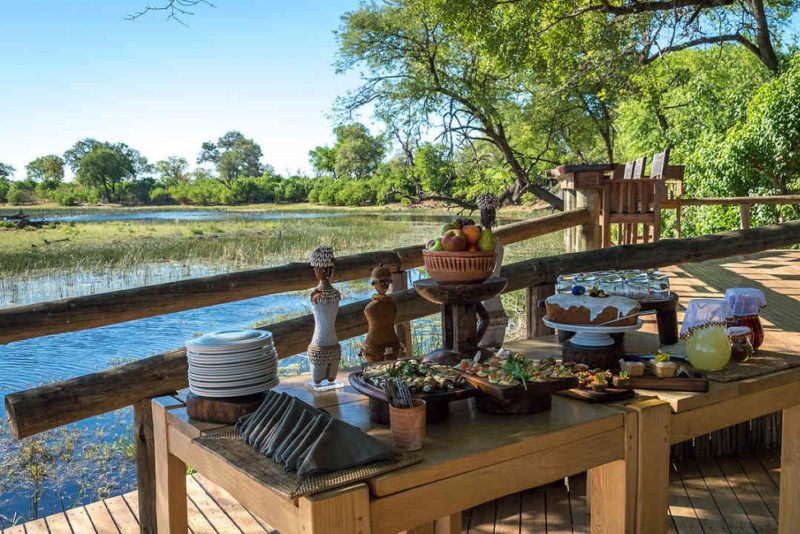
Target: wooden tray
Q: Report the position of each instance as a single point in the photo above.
(513, 400)
(438, 402)
(588, 395)
(698, 382)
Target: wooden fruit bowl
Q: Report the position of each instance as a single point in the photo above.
(459, 267)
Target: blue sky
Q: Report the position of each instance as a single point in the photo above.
(76, 68)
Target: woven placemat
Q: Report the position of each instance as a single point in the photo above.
(228, 445)
(762, 363)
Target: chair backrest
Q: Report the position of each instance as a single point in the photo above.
(659, 165)
(638, 168)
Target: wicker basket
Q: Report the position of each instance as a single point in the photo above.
(459, 267)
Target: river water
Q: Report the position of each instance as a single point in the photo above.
(90, 459)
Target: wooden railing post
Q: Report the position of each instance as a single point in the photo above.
(145, 465)
(535, 313)
(744, 213)
(403, 330)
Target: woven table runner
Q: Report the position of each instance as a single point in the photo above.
(762, 363)
(229, 446)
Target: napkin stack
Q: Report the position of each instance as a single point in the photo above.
(307, 440)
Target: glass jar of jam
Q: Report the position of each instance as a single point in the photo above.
(753, 322)
(741, 343)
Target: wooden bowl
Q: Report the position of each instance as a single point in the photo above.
(459, 267)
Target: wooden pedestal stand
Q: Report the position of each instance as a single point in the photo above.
(226, 410)
(461, 307)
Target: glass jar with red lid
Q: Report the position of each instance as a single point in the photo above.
(745, 304)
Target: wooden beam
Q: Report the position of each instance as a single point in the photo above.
(744, 216)
(45, 407)
(535, 313)
(730, 201)
(91, 311)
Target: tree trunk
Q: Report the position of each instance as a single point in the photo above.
(765, 48)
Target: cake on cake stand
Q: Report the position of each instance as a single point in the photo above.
(593, 345)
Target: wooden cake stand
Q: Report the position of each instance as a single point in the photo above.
(226, 410)
(461, 308)
(593, 345)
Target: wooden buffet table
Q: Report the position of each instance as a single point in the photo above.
(469, 459)
(696, 414)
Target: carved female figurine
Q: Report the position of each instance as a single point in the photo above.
(498, 320)
(382, 342)
(324, 352)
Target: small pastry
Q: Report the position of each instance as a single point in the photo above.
(632, 368)
(622, 380)
(665, 369)
(599, 384)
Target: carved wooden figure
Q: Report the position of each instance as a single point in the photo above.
(382, 342)
(497, 319)
(324, 352)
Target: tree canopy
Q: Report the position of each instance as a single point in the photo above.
(233, 155)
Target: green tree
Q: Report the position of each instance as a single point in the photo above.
(323, 160)
(6, 170)
(76, 152)
(173, 170)
(104, 168)
(46, 170)
(234, 156)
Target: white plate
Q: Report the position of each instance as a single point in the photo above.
(233, 392)
(231, 340)
(219, 362)
(232, 376)
(229, 354)
(226, 384)
(592, 336)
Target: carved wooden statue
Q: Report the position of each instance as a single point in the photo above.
(324, 352)
(382, 342)
(498, 320)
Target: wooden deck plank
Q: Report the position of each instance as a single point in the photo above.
(16, 529)
(506, 519)
(764, 484)
(101, 518)
(482, 519)
(704, 505)
(132, 500)
(79, 521)
(215, 515)
(757, 512)
(37, 526)
(246, 521)
(559, 517)
(58, 524)
(578, 503)
(733, 513)
(122, 515)
(772, 465)
(533, 515)
(683, 517)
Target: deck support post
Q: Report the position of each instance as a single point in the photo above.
(170, 477)
(535, 313)
(788, 511)
(403, 330)
(339, 511)
(145, 465)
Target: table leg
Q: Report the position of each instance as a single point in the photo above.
(789, 511)
(170, 479)
(340, 511)
(611, 488)
(652, 471)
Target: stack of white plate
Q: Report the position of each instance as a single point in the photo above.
(232, 364)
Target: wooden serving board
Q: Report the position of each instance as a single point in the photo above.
(694, 383)
(437, 403)
(225, 410)
(588, 395)
(512, 400)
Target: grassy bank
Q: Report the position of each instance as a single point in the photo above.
(235, 243)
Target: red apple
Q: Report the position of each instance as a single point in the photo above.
(472, 233)
(473, 248)
(454, 241)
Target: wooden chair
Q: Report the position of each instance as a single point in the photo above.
(631, 199)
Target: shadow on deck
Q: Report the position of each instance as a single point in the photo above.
(725, 494)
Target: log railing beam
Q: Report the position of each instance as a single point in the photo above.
(45, 407)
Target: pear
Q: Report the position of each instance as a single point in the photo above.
(487, 242)
(455, 225)
(437, 245)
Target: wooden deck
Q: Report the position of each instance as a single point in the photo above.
(726, 494)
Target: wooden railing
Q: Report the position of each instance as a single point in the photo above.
(745, 204)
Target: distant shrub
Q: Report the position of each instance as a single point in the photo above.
(21, 193)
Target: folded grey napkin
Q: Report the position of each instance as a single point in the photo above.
(307, 440)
